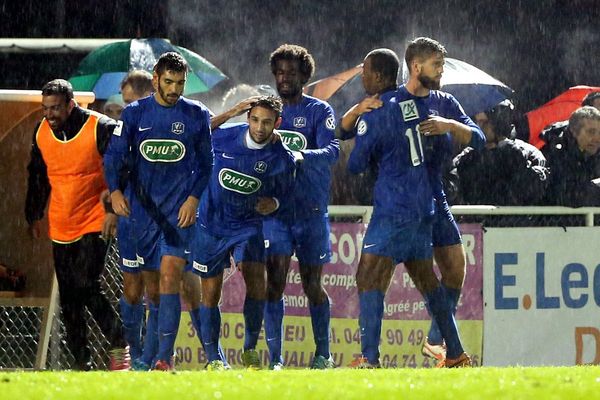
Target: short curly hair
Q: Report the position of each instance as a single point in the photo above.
(271, 102)
(294, 52)
(170, 61)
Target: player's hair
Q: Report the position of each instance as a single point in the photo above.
(576, 119)
(170, 61)
(273, 103)
(58, 87)
(589, 99)
(386, 62)
(139, 80)
(294, 52)
(423, 48)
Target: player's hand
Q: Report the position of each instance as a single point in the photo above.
(187, 212)
(120, 205)
(265, 205)
(35, 229)
(435, 125)
(368, 104)
(276, 136)
(243, 106)
(109, 227)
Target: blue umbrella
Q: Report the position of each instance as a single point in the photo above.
(103, 69)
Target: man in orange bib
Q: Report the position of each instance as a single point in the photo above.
(66, 167)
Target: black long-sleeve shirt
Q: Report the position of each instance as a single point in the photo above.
(38, 185)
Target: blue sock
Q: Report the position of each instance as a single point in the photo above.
(274, 311)
(370, 320)
(452, 295)
(210, 331)
(445, 319)
(253, 317)
(151, 338)
(195, 317)
(320, 316)
(132, 316)
(169, 314)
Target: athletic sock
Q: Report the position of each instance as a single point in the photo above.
(253, 317)
(195, 317)
(370, 320)
(274, 311)
(210, 330)
(169, 315)
(320, 316)
(151, 337)
(132, 316)
(445, 319)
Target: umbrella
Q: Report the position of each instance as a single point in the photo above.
(557, 109)
(474, 89)
(103, 69)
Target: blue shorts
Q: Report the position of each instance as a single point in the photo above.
(308, 237)
(126, 245)
(212, 254)
(154, 243)
(445, 230)
(400, 240)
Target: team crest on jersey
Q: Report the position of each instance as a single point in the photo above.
(177, 128)
(238, 182)
(260, 167)
(299, 122)
(295, 141)
(409, 110)
(162, 150)
(330, 123)
(361, 129)
(118, 128)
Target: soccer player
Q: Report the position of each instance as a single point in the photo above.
(251, 176)
(425, 59)
(168, 137)
(136, 85)
(307, 126)
(400, 229)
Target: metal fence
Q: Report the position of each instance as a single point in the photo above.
(22, 336)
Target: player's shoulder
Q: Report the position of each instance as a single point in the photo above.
(442, 97)
(230, 130)
(193, 105)
(315, 104)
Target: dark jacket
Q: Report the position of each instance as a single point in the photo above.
(38, 186)
(571, 170)
(511, 174)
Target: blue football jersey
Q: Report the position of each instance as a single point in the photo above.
(170, 153)
(240, 176)
(389, 138)
(309, 127)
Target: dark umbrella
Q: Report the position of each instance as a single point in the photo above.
(103, 69)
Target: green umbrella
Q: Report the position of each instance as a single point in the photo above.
(103, 69)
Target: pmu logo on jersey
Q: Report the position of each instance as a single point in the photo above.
(299, 122)
(260, 167)
(238, 182)
(409, 110)
(177, 128)
(162, 150)
(295, 141)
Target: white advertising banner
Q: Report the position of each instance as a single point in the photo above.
(541, 292)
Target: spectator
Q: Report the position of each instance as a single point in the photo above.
(574, 161)
(137, 84)
(507, 171)
(114, 106)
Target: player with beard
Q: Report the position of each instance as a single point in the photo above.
(167, 137)
(302, 226)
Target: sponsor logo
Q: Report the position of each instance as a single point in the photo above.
(409, 110)
(200, 267)
(162, 150)
(322, 256)
(118, 128)
(361, 129)
(130, 263)
(238, 182)
(260, 167)
(369, 245)
(299, 122)
(140, 260)
(228, 156)
(177, 128)
(144, 129)
(330, 123)
(295, 141)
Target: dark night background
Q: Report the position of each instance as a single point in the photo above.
(537, 47)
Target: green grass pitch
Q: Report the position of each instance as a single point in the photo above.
(477, 383)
